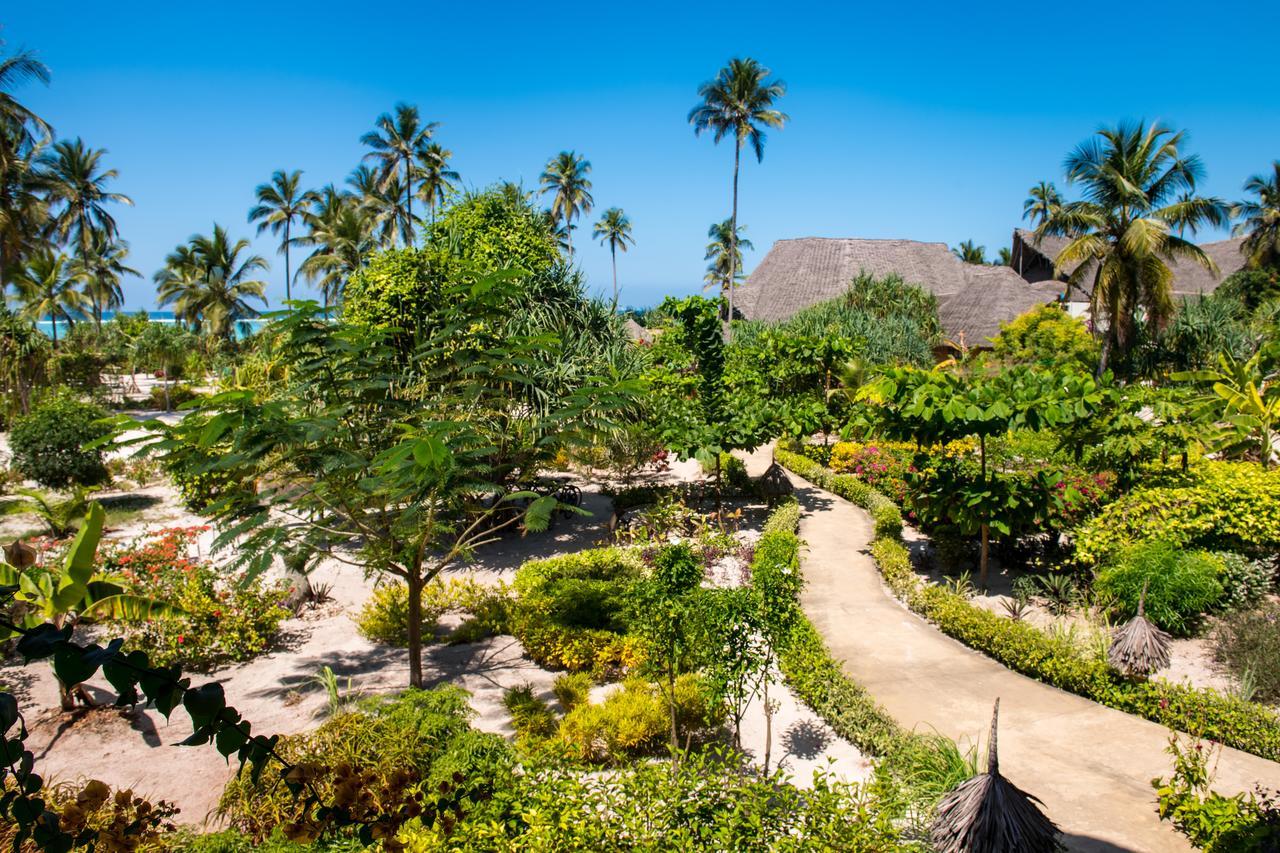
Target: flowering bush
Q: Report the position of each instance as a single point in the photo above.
(224, 619)
(882, 466)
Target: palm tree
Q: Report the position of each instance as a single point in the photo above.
(49, 287)
(208, 281)
(1261, 219)
(970, 253)
(24, 210)
(78, 194)
(437, 177)
(380, 200)
(1121, 238)
(20, 128)
(101, 271)
(280, 204)
(342, 231)
(565, 177)
(399, 142)
(725, 254)
(1042, 202)
(738, 102)
(614, 230)
(1004, 257)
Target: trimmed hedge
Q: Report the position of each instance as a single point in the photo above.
(1026, 649)
(884, 512)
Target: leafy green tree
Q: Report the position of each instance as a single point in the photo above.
(52, 444)
(723, 271)
(398, 143)
(437, 177)
(1042, 203)
(78, 195)
(614, 231)
(1252, 288)
(166, 346)
(101, 270)
(281, 203)
(209, 282)
(1261, 220)
(1004, 257)
(970, 253)
(49, 287)
(341, 229)
(23, 208)
(1138, 188)
(739, 102)
(1047, 337)
(1244, 399)
(24, 353)
(565, 178)
(792, 377)
(740, 658)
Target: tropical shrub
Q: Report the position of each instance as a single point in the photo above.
(1244, 581)
(92, 806)
(571, 611)
(200, 482)
(531, 717)
(1248, 642)
(572, 689)
(48, 445)
(384, 617)
(1181, 586)
(1243, 823)
(633, 720)
(884, 467)
(222, 619)
(733, 473)
(1226, 506)
(1046, 337)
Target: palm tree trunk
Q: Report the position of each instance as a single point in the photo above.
(613, 252)
(288, 295)
(733, 232)
(53, 319)
(408, 200)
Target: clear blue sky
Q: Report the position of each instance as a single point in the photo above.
(923, 121)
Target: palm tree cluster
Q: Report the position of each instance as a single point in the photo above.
(209, 281)
(60, 248)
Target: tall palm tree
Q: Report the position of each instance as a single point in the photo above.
(1004, 257)
(398, 143)
(281, 203)
(614, 231)
(565, 177)
(1042, 202)
(970, 252)
(1138, 189)
(739, 102)
(724, 251)
(209, 282)
(1261, 219)
(49, 287)
(342, 231)
(20, 127)
(101, 271)
(78, 194)
(24, 209)
(437, 177)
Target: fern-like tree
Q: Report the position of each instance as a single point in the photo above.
(210, 282)
(614, 231)
(281, 203)
(1139, 189)
(738, 103)
(437, 177)
(102, 271)
(78, 194)
(49, 286)
(566, 179)
(1261, 220)
(398, 142)
(1042, 202)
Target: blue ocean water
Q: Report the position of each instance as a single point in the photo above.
(244, 328)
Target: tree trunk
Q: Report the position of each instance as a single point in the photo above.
(288, 294)
(768, 727)
(613, 253)
(986, 528)
(733, 231)
(671, 707)
(53, 320)
(408, 202)
(415, 628)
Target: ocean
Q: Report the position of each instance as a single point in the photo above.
(244, 328)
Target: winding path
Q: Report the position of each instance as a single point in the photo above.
(1091, 766)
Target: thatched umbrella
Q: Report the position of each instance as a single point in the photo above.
(774, 483)
(19, 555)
(1139, 648)
(990, 814)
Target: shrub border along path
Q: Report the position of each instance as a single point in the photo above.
(1091, 765)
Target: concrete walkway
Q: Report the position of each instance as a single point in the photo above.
(1090, 765)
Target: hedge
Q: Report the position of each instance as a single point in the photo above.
(884, 512)
(1025, 649)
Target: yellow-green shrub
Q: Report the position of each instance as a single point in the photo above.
(384, 618)
(635, 720)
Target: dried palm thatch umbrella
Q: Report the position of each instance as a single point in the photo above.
(989, 814)
(1139, 648)
(774, 484)
(19, 554)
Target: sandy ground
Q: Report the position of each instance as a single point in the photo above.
(278, 691)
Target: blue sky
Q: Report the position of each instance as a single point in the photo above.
(923, 121)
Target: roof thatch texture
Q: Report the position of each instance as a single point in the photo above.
(1189, 279)
(637, 333)
(774, 483)
(989, 814)
(973, 300)
(1138, 647)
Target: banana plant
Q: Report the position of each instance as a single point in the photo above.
(67, 594)
(1245, 399)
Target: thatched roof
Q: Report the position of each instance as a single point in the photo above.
(1139, 648)
(637, 333)
(1034, 259)
(973, 300)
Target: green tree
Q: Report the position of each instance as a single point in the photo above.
(23, 208)
(1042, 203)
(209, 282)
(1138, 188)
(1004, 257)
(281, 203)
(21, 127)
(1243, 400)
(565, 178)
(101, 270)
(739, 102)
(1261, 220)
(49, 287)
(341, 229)
(78, 195)
(437, 177)
(970, 253)
(614, 231)
(398, 143)
(724, 254)
(1046, 337)
(164, 345)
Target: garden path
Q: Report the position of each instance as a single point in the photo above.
(1091, 766)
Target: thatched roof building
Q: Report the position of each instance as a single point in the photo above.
(1033, 260)
(973, 300)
